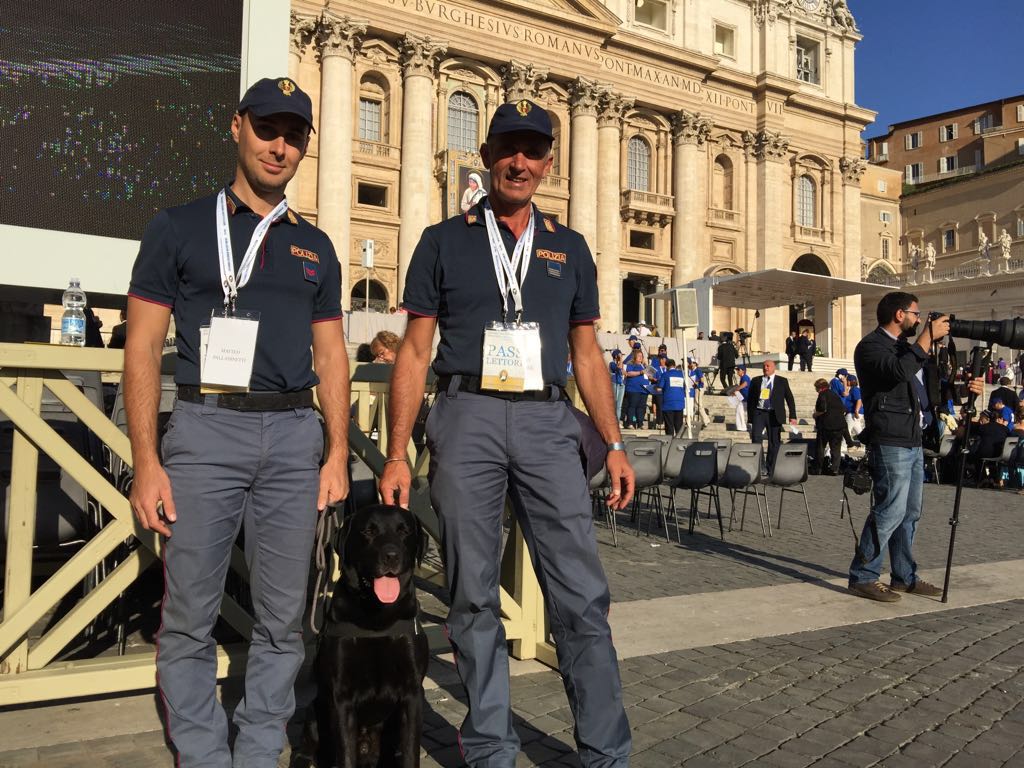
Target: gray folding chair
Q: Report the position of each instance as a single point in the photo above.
(598, 496)
(789, 476)
(645, 456)
(741, 476)
(722, 447)
(932, 458)
(699, 471)
(1009, 447)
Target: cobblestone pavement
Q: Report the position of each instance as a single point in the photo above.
(937, 689)
(990, 530)
(944, 689)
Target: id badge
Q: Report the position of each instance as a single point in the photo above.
(511, 358)
(227, 352)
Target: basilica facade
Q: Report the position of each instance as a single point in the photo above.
(693, 138)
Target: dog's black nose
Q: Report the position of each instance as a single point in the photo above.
(391, 558)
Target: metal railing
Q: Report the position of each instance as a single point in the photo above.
(117, 551)
(963, 170)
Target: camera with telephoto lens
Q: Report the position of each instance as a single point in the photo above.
(1005, 333)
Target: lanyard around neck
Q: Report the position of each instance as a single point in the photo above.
(229, 282)
(511, 273)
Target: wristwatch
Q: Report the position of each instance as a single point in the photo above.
(616, 446)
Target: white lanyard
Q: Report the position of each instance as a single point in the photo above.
(505, 269)
(228, 280)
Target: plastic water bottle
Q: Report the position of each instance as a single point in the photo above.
(72, 323)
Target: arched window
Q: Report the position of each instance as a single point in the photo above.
(806, 202)
(463, 123)
(638, 164)
(556, 143)
(721, 196)
(378, 296)
(373, 108)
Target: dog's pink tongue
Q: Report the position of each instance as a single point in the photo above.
(386, 588)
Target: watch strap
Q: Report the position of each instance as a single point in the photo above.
(617, 446)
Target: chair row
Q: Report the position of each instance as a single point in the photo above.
(703, 468)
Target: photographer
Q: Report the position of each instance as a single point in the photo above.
(897, 407)
(727, 361)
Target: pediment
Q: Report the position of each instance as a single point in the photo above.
(585, 13)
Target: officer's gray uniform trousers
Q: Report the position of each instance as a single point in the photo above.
(483, 448)
(227, 467)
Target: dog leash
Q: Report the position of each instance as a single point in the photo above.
(326, 525)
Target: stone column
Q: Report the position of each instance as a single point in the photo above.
(769, 151)
(419, 60)
(302, 30)
(689, 133)
(337, 41)
(612, 109)
(583, 97)
(852, 169)
(521, 81)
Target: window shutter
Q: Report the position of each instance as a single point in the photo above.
(956, 130)
(1020, 146)
(908, 174)
(1020, 113)
(906, 141)
(942, 133)
(977, 125)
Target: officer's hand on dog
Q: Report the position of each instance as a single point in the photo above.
(394, 482)
(621, 478)
(333, 482)
(151, 498)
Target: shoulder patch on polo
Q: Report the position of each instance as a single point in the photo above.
(471, 218)
(549, 225)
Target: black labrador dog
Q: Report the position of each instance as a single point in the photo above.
(372, 654)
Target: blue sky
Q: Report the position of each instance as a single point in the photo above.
(919, 57)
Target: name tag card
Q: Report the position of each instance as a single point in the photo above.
(764, 401)
(512, 358)
(676, 381)
(228, 349)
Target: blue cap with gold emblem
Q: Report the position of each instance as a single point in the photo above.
(522, 115)
(276, 95)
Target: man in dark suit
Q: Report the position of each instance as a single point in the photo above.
(791, 349)
(805, 348)
(118, 334)
(727, 362)
(829, 424)
(769, 396)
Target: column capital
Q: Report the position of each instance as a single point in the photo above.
(765, 145)
(521, 81)
(612, 109)
(302, 30)
(339, 37)
(690, 128)
(852, 169)
(420, 54)
(767, 11)
(583, 96)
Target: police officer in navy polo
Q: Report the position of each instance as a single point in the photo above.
(254, 290)
(511, 292)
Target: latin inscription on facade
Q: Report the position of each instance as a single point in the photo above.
(550, 41)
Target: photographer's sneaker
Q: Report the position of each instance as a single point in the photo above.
(919, 587)
(873, 590)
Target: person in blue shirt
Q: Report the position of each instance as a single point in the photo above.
(654, 373)
(695, 377)
(616, 370)
(739, 398)
(636, 390)
(673, 397)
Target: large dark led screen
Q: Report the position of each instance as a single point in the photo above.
(110, 111)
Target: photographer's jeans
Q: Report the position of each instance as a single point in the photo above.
(898, 475)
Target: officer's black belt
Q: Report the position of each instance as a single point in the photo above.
(472, 384)
(249, 401)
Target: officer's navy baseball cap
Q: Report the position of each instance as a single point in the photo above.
(842, 372)
(522, 115)
(616, 353)
(277, 95)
